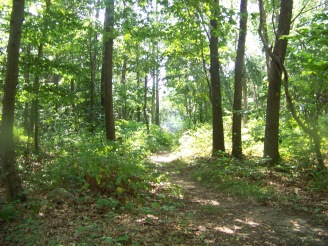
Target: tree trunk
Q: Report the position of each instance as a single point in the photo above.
(245, 103)
(123, 82)
(139, 96)
(107, 75)
(218, 133)
(145, 104)
(153, 97)
(35, 104)
(263, 23)
(27, 105)
(10, 175)
(157, 118)
(72, 89)
(93, 66)
(239, 67)
(271, 140)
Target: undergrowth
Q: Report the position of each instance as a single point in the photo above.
(85, 160)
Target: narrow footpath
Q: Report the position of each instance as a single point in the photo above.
(215, 218)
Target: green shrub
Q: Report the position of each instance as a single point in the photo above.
(159, 139)
(8, 212)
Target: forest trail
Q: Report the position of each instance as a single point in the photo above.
(215, 218)
(177, 211)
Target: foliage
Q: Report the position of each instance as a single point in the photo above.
(159, 139)
(196, 142)
(85, 160)
(7, 212)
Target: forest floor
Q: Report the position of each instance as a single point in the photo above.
(181, 212)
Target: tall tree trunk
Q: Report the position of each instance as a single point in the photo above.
(245, 103)
(239, 68)
(35, 104)
(153, 97)
(218, 133)
(145, 104)
(123, 81)
(10, 175)
(107, 75)
(93, 66)
(271, 140)
(157, 118)
(139, 96)
(27, 105)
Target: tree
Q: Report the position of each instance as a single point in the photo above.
(217, 121)
(308, 73)
(239, 67)
(271, 139)
(107, 70)
(10, 176)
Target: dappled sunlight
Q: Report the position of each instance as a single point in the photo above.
(224, 229)
(248, 222)
(164, 158)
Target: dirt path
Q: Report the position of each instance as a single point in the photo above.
(177, 212)
(220, 219)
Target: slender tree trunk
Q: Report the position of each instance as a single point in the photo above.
(263, 23)
(123, 81)
(56, 79)
(145, 104)
(153, 98)
(256, 98)
(218, 133)
(157, 118)
(72, 89)
(239, 68)
(139, 97)
(108, 71)
(10, 175)
(245, 103)
(35, 104)
(93, 66)
(271, 140)
(27, 105)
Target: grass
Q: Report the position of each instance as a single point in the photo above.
(250, 179)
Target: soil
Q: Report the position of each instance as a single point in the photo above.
(193, 215)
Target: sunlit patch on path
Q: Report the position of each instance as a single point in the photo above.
(164, 157)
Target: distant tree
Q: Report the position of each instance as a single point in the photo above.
(10, 176)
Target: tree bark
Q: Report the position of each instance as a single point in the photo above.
(271, 140)
(217, 121)
(107, 73)
(239, 68)
(12, 182)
